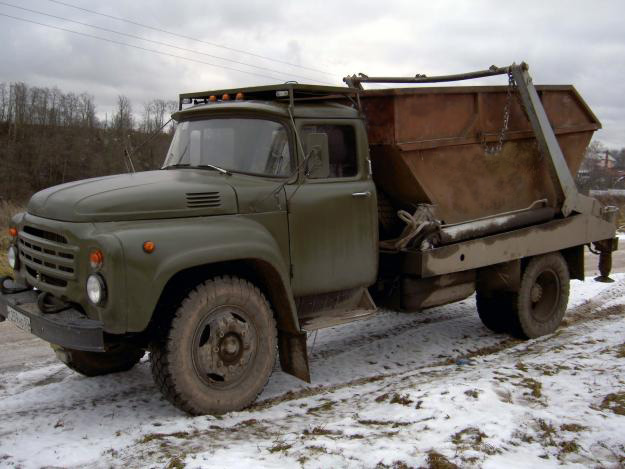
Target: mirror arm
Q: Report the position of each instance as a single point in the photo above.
(297, 137)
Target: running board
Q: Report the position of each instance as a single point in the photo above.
(333, 309)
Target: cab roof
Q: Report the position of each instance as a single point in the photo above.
(305, 101)
(289, 93)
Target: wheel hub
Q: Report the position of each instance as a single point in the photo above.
(229, 346)
(545, 295)
(536, 293)
(224, 347)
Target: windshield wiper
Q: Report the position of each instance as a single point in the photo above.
(201, 166)
(216, 168)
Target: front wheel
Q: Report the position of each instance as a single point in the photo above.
(542, 298)
(220, 349)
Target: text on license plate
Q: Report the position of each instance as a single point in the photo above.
(17, 318)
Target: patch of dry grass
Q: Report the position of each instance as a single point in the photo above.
(151, 437)
(547, 432)
(280, 446)
(395, 465)
(403, 400)
(614, 402)
(572, 427)
(322, 431)
(534, 386)
(568, 447)
(326, 406)
(437, 461)
(176, 463)
(469, 437)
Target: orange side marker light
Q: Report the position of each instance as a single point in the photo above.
(96, 258)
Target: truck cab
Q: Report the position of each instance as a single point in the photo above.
(254, 194)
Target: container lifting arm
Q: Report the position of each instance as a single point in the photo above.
(573, 201)
(546, 138)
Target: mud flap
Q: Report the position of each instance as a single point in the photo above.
(294, 355)
(605, 249)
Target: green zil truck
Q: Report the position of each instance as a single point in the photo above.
(280, 210)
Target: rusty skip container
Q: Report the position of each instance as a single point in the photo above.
(438, 145)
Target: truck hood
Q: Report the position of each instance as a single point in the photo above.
(137, 196)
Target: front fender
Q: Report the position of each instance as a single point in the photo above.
(187, 243)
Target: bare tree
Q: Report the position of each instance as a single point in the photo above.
(122, 120)
(48, 136)
(86, 110)
(146, 122)
(4, 102)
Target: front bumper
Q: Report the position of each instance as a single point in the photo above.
(69, 328)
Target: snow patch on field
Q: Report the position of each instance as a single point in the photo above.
(413, 389)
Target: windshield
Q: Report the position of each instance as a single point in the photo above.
(255, 146)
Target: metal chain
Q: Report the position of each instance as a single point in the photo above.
(495, 150)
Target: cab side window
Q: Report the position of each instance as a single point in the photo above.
(343, 161)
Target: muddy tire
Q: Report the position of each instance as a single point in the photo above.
(542, 298)
(220, 349)
(121, 357)
(494, 310)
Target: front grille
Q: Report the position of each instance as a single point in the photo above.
(203, 199)
(48, 257)
(57, 238)
(56, 282)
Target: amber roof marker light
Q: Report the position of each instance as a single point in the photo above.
(149, 247)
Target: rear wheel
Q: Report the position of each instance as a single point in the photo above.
(542, 298)
(220, 349)
(494, 309)
(120, 357)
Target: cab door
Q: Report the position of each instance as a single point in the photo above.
(333, 213)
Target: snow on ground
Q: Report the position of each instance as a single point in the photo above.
(397, 390)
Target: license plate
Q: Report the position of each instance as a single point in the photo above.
(17, 318)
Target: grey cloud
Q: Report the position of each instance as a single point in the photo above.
(575, 42)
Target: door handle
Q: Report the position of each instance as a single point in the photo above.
(364, 195)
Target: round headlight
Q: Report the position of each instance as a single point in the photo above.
(12, 257)
(96, 289)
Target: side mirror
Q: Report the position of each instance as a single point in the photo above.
(318, 156)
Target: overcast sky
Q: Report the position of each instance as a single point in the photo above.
(577, 42)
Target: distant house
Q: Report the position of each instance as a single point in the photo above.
(600, 170)
(601, 160)
(594, 161)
